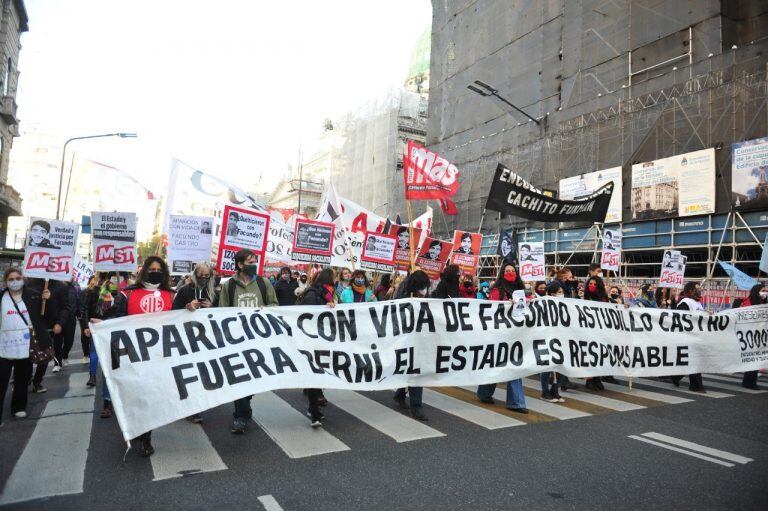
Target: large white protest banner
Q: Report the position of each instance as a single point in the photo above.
(82, 271)
(610, 258)
(50, 249)
(165, 366)
(113, 236)
(189, 242)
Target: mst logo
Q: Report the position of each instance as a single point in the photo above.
(44, 261)
(122, 255)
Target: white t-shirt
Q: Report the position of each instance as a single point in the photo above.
(14, 333)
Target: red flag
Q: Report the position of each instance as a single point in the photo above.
(427, 176)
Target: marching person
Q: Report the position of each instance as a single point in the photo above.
(484, 290)
(665, 297)
(345, 278)
(615, 295)
(448, 287)
(285, 287)
(595, 292)
(151, 293)
(569, 287)
(507, 282)
(757, 296)
(19, 319)
(467, 286)
(540, 288)
(383, 290)
(646, 298)
(358, 291)
(321, 292)
(550, 388)
(415, 285)
(302, 285)
(246, 288)
(691, 301)
(56, 299)
(200, 293)
(75, 296)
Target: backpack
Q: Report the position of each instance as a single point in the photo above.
(259, 282)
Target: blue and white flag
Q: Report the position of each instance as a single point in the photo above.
(764, 258)
(739, 278)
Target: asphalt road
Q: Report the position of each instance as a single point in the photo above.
(594, 461)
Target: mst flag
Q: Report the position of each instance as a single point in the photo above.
(510, 194)
(429, 176)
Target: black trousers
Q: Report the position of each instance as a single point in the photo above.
(750, 379)
(68, 332)
(85, 342)
(58, 346)
(313, 395)
(40, 369)
(22, 370)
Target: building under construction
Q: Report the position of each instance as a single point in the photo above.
(601, 84)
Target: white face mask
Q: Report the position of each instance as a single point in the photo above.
(559, 295)
(763, 294)
(114, 280)
(15, 285)
(422, 292)
(600, 274)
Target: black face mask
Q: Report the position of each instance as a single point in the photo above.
(203, 282)
(303, 279)
(467, 284)
(155, 277)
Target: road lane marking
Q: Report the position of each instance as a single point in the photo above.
(594, 399)
(269, 503)
(53, 461)
(670, 386)
(646, 394)
(183, 448)
(698, 447)
(469, 412)
(290, 429)
(537, 405)
(734, 387)
(682, 451)
(382, 418)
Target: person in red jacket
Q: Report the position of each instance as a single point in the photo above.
(467, 287)
(151, 293)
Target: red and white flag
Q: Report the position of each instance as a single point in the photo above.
(428, 176)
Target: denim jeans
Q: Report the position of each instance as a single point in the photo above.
(243, 408)
(515, 394)
(414, 399)
(485, 392)
(93, 368)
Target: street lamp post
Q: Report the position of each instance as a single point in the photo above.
(490, 91)
(64, 155)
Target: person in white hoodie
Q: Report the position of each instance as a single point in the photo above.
(691, 302)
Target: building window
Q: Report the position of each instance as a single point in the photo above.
(7, 76)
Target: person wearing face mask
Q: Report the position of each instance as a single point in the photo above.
(345, 280)
(19, 318)
(301, 285)
(415, 285)
(550, 386)
(506, 284)
(448, 287)
(199, 293)
(57, 308)
(358, 292)
(151, 293)
(540, 288)
(645, 297)
(484, 291)
(757, 296)
(691, 302)
(615, 296)
(248, 289)
(569, 287)
(467, 286)
(595, 292)
(285, 287)
(383, 288)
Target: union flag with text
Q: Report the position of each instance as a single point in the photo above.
(428, 176)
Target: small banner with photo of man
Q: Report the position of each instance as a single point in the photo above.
(507, 248)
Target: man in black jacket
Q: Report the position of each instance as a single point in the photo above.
(285, 287)
(55, 317)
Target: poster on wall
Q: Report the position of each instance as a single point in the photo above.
(242, 228)
(681, 185)
(378, 252)
(433, 256)
(579, 187)
(611, 255)
(113, 235)
(189, 242)
(749, 164)
(50, 249)
(312, 241)
(672, 269)
(531, 257)
(466, 250)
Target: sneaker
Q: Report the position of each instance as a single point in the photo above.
(487, 400)
(316, 423)
(519, 410)
(238, 426)
(146, 448)
(106, 412)
(318, 415)
(38, 389)
(418, 415)
(91, 381)
(556, 398)
(64, 363)
(86, 361)
(569, 386)
(56, 368)
(195, 419)
(400, 400)
(20, 414)
(549, 397)
(609, 379)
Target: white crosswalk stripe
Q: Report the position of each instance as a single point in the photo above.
(60, 444)
(290, 429)
(645, 394)
(382, 418)
(594, 399)
(719, 384)
(468, 411)
(669, 386)
(183, 448)
(537, 405)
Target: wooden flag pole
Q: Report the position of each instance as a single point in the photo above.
(410, 235)
(42, 307)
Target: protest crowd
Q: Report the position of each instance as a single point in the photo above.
(41, 316)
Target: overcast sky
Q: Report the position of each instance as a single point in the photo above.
(228, 86)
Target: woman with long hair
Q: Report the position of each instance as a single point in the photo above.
(691, 301)
(595, 292)
(448, 287)
(321, 292)
(382, 291)
(21, 318)
(507, 282)
(358, 291)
